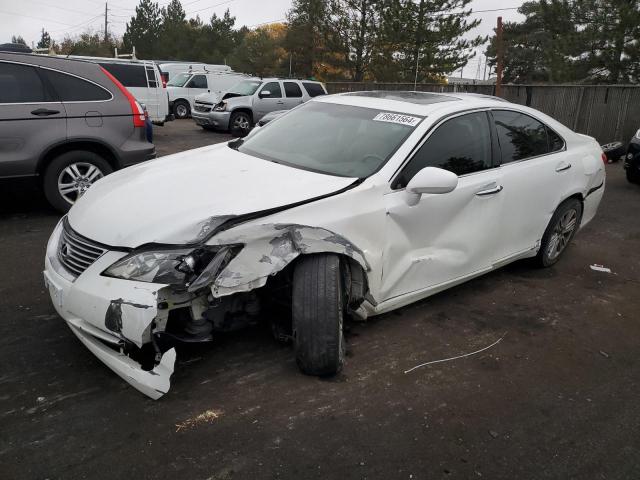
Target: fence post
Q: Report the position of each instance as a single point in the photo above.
(575, 120)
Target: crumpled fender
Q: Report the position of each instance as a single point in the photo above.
(268, 248)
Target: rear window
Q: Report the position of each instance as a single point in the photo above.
(151, 77)
(313, 89)
(74, 89)
(128, 75)
(20, 84)
(291, 89)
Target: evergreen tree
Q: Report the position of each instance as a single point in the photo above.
(143, 30)
(306, 35)
(18, 39)
(45, 40)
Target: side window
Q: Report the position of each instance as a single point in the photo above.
(151, 77)
(292, 89)
(74, 89)
(20, 84)
(314, 89)
(128, 75)
(197, 81)
(556, 143)
(461, 145)
(520, 135)
(273, 88)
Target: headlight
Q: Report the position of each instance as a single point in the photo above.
(220, 107)
(175, 267)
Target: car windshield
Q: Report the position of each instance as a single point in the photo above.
(179, 80)
(334, 139)
(245, 87)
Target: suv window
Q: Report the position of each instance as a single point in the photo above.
(197, 81)
(522, 136)
(74, 89)
(461, 145)
(313, 89)
(128, 75)
(20, 84)
(273, 88)
(292, 89)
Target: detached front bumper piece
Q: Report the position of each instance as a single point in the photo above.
(109, 315)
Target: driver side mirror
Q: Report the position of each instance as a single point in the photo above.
(430, 180)
(264, 93)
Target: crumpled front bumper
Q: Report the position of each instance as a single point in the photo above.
(87, 301)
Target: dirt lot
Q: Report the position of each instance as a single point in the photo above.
(557, 398)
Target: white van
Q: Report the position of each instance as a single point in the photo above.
(143, 79)
(186, 86)
(171, 69)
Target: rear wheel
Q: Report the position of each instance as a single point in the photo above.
(614, 151)
(181, 109)
(70, 175)
(240, 124)
(318, 313)
(560, 231)
(632, 174)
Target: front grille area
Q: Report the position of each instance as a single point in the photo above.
(75, 252)
(202, 107)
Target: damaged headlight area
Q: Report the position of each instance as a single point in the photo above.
(185, 267)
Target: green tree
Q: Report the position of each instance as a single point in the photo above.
(18, 39)
(306, 36)
(261, 52)
(143, 30)
(45, 40)
(90, 44)
(174, 33)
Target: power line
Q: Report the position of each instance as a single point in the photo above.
(60, 8)
(207, 8)
(34, 18)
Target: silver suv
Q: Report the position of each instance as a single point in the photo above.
(242, 106)
(68, 122)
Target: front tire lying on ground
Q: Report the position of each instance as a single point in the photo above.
(318, 313)
(561, 229)
(69, 175)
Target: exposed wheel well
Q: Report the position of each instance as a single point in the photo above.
(94, 147)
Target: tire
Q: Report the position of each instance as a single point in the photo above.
(614, 151)
(318, 313)
(240, 124)
(632, 174)
(181, 109)
(80, 168)
(561, 229)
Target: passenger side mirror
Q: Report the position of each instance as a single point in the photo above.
(430, 180)
(265, 93)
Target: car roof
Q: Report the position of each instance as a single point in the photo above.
(413, 102)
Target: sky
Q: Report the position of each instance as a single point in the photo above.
(71, 17)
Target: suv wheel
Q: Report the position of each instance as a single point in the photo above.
(318, 313)
(181, 109)
(559, 233)
(69, 176)
(240, 124)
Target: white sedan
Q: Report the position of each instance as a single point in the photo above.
(350, 205)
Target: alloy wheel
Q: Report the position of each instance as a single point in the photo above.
(562, 233)
(75, 179)
(241, 122)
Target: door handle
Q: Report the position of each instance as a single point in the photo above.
(43, 112)
(490, 191)
(563, 166)
(280, 102)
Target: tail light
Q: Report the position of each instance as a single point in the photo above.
(605, 160)
(136, 108)
(165, 78)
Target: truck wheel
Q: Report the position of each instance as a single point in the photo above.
(240, 124)
(69, 175)
(318, 312)
(561, 229)
(614, 150)
(181, 109)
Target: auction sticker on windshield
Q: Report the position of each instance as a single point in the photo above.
(397, 118)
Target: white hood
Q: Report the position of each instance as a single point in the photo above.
(209, 97)
(173, 199)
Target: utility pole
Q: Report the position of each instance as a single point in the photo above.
(484, 75)
(105, 21)
(415, 80)
(500, 60)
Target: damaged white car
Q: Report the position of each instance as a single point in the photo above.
(347, 207)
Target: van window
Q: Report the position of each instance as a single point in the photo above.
(179, 80)
(20, 84)
(128, 75)
(292, 90)
(151, 77)
(314, 89)
(74, 89)
(198, 81)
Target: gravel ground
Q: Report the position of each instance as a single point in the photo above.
(557, 398)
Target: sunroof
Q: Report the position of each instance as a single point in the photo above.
(420, 98)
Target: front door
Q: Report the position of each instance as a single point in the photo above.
(269, 100)
(196, 85)
(31, 120)
(445, 236)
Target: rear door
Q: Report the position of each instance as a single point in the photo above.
(535, 167)
(293, 95)
(269, 99)
(31, 119)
